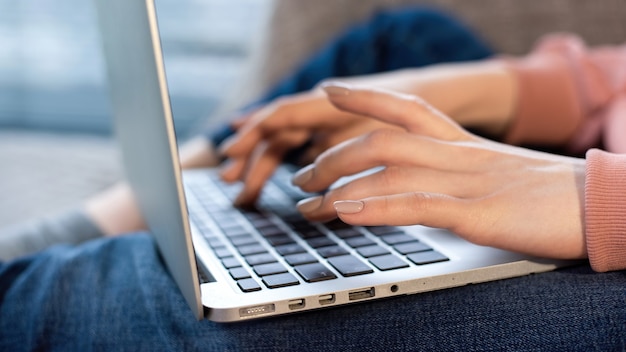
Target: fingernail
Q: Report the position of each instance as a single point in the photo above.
(310, 204)
(348, 206)
(336, 88)
(227, 172)
(241, 200)
(303, 175)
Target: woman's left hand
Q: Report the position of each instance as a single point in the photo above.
(438, 174)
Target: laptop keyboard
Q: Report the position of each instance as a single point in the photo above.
(272, 245)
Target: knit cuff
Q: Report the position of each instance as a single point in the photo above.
(605, 203)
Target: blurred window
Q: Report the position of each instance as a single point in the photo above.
(52, 73)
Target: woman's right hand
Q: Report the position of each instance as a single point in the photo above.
(437, 174)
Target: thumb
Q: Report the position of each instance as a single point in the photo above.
(404, 110)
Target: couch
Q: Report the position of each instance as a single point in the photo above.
(296, 28)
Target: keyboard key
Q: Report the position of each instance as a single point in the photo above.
(429, 257)
(230, 262)
(360, 241)
(337, 225)
(270, 231)
(280, 280)
(388, 262)
(248, 285)
(300, 224)
(397, 238)
(242, 240)
(261, 222)
(287, 249)
(235, 231)
(299, 259)
(331, 251)
(315, 272)
(348, 265)
(295, 219)
(347, 233)
(215, 242)
(262, 258)
(411, 247)
(227, 221)
(384, 230)
(253, 215)
(320, 242)
(269, 269)
(251, 249)
(239, 273)
(310, 233)
(278, 240)
(223, 252)
(372, 251)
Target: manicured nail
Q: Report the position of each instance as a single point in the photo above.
(310, 204)
(336, 88)
(242, 200)
(348, 206)
(303, 175)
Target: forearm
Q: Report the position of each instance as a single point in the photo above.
(479, 95)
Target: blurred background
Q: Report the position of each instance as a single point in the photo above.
(55, 133)
(56, 145)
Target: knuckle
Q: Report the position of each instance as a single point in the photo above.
(391, 176)
(417, 103)
(326, 81)
(281, 109)
(421, 202)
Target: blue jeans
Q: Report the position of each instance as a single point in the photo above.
(114, 294)
(390, 40)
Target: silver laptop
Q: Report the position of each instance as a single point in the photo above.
(239, 264)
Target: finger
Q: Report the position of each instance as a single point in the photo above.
(382, 148)
(395, 180)
(429, 209)
(238, 165)
(302, 112)
(408, 111)
(260, 168)
(260, 165)
(232, 170)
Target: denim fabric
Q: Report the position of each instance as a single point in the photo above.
(390, 40)
(114, 294)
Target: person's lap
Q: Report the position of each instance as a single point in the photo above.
(115, 293)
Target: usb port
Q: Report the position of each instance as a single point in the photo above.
(327, 299)
(296, 304)
(361, 294)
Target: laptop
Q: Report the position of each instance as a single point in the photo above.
(239, 264)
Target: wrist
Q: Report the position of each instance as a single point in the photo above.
(480, 95)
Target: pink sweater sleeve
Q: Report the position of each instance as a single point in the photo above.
(605, 206)
(567, 94)
(574, 97)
